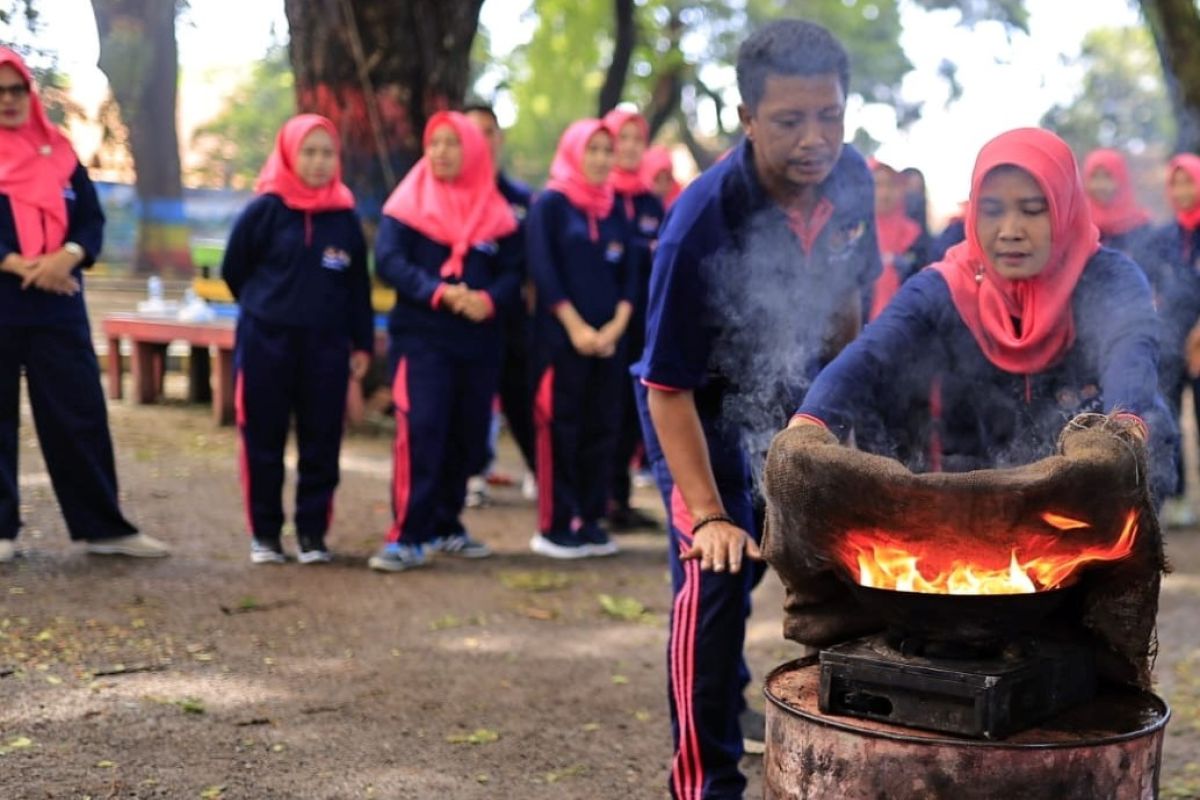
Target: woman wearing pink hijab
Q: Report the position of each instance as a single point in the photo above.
(586, 282)
(51, 228)
(1123, 224)
(449, 244)
(297, 263)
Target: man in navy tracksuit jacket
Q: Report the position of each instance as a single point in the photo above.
(302, 285)
(757, 281)
(515, 399)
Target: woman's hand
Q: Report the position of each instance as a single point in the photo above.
(360, 362)
(585, 339)
(720, 546)
(17, 264)
(52, 273)
(475, 306)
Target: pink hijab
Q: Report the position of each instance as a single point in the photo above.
(278, 175)
(1189, 218)
(458, 213)
(566, 174)
(988, 302)
(36, 164)
(1122, 213)
(627, 183)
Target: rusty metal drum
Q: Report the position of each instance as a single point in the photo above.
(1108, 749)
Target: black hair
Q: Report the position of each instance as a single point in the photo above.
(788, 47)
(481, 108)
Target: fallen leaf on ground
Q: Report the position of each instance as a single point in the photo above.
(478, 736)
(537, 581)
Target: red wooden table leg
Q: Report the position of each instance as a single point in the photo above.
(222, 388)
(114, 368)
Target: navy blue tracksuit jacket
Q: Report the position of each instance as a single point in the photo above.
(989, 417)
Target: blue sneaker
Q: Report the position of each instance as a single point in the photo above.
(461, 545)
(398, 557)
(559, 545)
(597, 541)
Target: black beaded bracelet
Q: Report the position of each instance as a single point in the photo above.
(700, 523)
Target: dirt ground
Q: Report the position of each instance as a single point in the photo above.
(511, 677)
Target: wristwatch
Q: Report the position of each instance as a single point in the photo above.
(74, 249)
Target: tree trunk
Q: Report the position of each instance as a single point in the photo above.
(379, 70)
(1175, 25)
(623, 42)
(139, 56)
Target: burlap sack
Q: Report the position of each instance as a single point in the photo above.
(818, 490)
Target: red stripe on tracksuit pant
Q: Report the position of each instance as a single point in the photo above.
(443, 412)
(706, 673)
(285, 372)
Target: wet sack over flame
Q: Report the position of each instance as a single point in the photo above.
(1083, 517)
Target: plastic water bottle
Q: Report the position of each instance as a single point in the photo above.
(154, 290)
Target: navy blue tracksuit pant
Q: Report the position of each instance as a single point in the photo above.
(576, 414)
(72, 427)
(284, 370)
(706, 672)
(443, 412)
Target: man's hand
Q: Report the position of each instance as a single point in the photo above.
(52, 273)
(720, 547)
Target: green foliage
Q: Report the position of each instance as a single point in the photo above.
(556, 77)
(1122, 99)
(238, 140)
(1012, 14)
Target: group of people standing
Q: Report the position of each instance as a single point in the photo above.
(465, 249)
(783, 290)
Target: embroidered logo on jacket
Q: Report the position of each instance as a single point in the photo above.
(844, 237)
(68, 194)
(490, 247)
(614, 251)
(335, 258)
(648, 224)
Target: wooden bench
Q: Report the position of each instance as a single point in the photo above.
(149, 337)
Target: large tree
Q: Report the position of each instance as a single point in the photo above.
(235, 143)
(138, 54)
(379, 70)
(1175, 25)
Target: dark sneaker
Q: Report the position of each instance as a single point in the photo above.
(136, 545)
(559, 545)
(597, 541)
(627, 518)
(397, 557)
(754, 731)
(264, 551)
(460, 545)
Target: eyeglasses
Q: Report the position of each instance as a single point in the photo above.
(14, 90)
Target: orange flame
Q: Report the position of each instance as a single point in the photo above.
(879, 560)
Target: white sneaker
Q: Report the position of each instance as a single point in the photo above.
(8, 550)
(477, 492)
(529, 489)
(137, 545)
